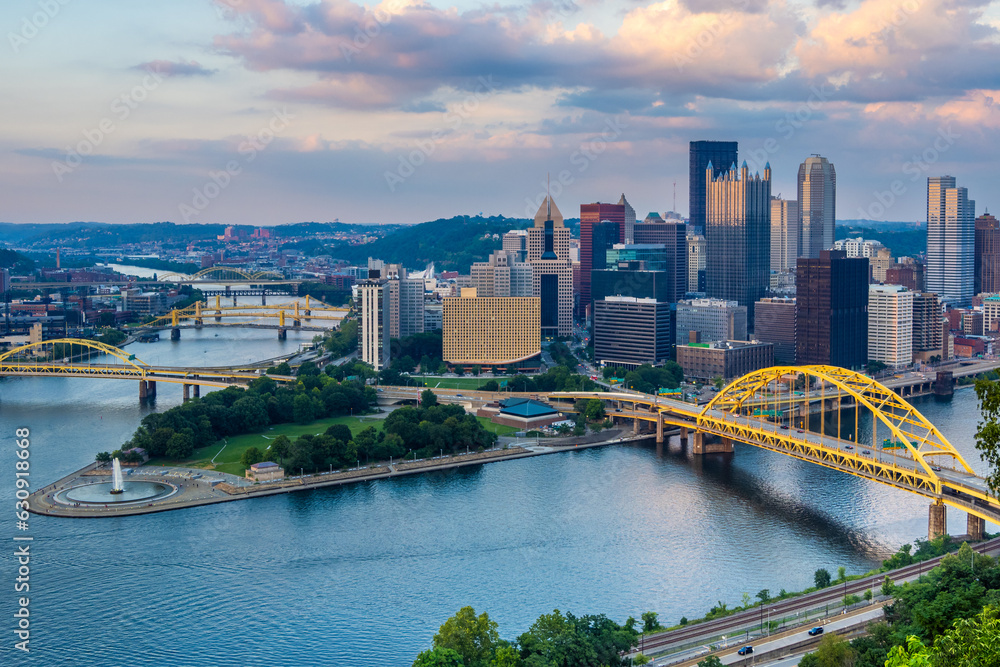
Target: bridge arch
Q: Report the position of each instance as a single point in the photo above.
(123, 356)
(918, 435)
(224, 273)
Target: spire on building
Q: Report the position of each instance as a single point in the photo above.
(548, 211)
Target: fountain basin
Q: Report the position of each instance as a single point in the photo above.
(101, 493)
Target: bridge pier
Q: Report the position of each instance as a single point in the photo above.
(175, 333)
(218, 316)
(659, 428)
(725, 446)
(282, 334)
(151, 388)
(937, 521)
(187, 392)
(198, 324)
(197, 390)
(263, 298)
(296, 323)
(976, 527)
(635, 426)
(142, 390)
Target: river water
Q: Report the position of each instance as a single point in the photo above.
(363, 575)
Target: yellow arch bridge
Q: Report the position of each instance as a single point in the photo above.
(280, 316)
(836, 418)
(73, 357)
(224, 274)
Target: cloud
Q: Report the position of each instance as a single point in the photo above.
(175, 68)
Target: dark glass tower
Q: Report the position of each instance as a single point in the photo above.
(832, 310)
(721, 154)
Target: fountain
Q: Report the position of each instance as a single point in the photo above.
(117, 481)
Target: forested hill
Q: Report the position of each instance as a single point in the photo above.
(452, 244)
(903, 242)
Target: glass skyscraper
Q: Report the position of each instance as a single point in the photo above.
(817, 192)
(722, 155)
(951, 241)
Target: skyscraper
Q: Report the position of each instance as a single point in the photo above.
(673, 236)
(738, 233)
(951, 241)
(374, 296)
(548, 254)
(890, 325)
(784, 234)
(987, 255)
(629, 221)
(831, 324)
(601, 226)
(702, 153)
(696, 262)
(817, 193)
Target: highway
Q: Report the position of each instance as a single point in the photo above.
(738, 624)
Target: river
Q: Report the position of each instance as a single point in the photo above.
(363, 575)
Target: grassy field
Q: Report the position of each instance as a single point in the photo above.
(227, 453)
(499, 429)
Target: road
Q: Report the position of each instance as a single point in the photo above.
(688, 637)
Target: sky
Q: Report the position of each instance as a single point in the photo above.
(276, 111)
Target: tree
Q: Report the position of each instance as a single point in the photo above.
(841, 573)
(280, 446)
(971, 642)
(822, 578)
(874, 367)
(439, 657)
(988, 431)
(718, 382)
(473, 638)
(915, 654)
(339, 432)
(833, 651)
(506, 656)
(250, 456)
(103, 457)
(710, 661)
(746, 599)
(641, 659)
(428, 399)
(764, 595)
(887, 586)
(302, 409)
(650, 622)
(594, 410)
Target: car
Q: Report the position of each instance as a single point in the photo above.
(746, 650)
(784, 426)
(848, 447)
(798, 430)
(866, 453)
(936, 468)
(818, 630)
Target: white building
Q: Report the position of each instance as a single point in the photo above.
(858, 247)
(890, 325)
(784, 234)
(374, 297)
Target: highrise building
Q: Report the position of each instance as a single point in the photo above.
(406, 303)
(673, 236)
(495, 332)
(951, 241)
(987, 265)
(629, 221)
(890, 325)
(710, 320)
(832, 310)
(601, 226)
(630, 331)
(738, 232)
(880, 265)
(928, 331)
(374, 296)
(721, 154)
(696, 249)
(516, 241)
(784, 234)
(817, 190)
(502, 275)
(548, 254)
(776, 324)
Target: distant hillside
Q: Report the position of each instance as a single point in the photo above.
(452, 244)
(906, 242)
(16, 262)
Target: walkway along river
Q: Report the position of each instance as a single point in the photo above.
(364, 574)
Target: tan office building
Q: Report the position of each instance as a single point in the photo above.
(492, 331)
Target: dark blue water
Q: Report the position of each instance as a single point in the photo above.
(364, 575)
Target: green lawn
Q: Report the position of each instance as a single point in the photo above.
(499, 429)
(227, 454)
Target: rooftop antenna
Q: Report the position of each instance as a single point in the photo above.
(548, 198)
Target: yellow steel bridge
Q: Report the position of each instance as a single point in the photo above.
(74, 357)
(285, 315)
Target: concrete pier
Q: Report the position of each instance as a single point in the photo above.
(937, 520)
(976, 527)
(175, 333)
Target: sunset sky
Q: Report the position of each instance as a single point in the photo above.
(273, 111)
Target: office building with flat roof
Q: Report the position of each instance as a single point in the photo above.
(726, 359)
(776, 325)
(832, 310)
(711, 320)
(492, 332)
(890, 325)
(631, 331)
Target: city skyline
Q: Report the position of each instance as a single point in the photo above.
(398, 125)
